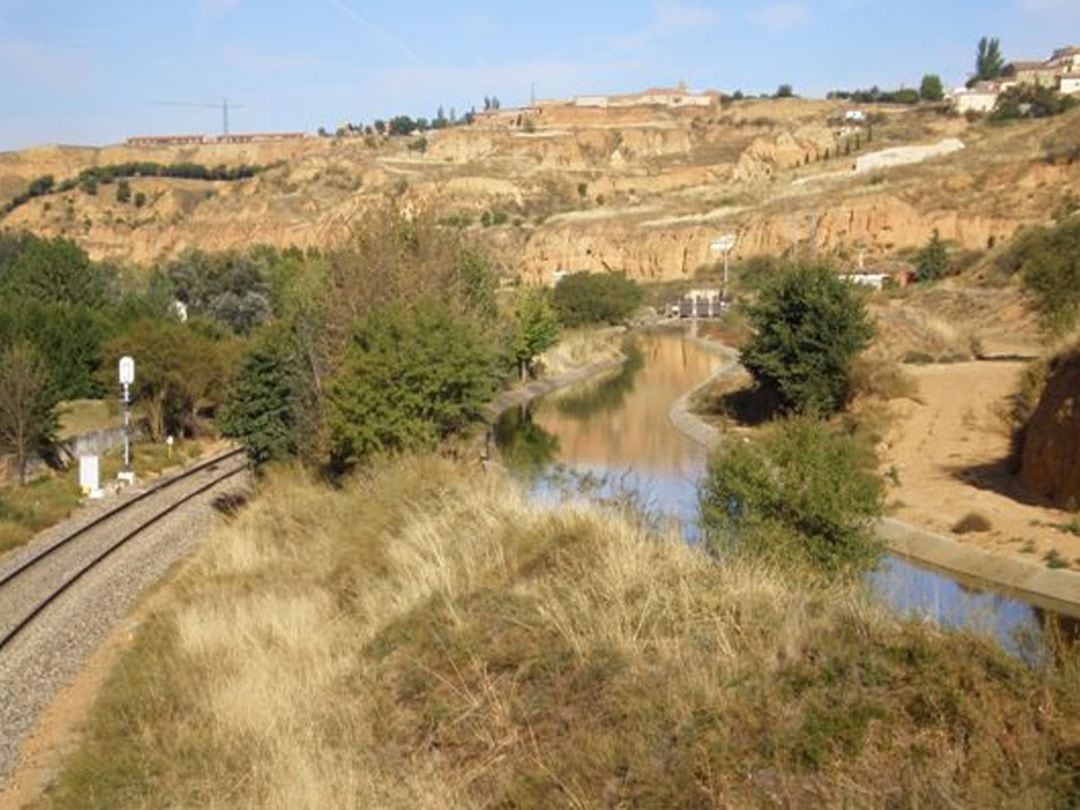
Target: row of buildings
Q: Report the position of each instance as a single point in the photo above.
(200, 140)
(1061, 72)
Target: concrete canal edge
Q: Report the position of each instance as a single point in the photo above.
(537, 388)
(1053, 589)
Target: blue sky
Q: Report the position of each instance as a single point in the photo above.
(81, 71)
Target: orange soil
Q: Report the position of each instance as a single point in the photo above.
(949, 450)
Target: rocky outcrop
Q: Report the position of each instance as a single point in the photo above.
(1050, 464)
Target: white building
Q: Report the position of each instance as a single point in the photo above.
(1070, 84)
(978, 99)
(655, 96)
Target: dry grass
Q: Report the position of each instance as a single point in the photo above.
(579, 347)
(428, 638)
(24, 511)
(84, 415)
(971, 523)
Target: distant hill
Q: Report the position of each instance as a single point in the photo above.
(642, 189)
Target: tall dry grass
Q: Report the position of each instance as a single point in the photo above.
(426, 637)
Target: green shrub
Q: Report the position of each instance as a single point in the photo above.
(1049, 261)
(1053, 559)
(260, 406)
(582, 299)
(411, 378)
(801, 493)
(808, 327)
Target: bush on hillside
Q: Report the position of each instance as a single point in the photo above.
(583, 299)
(808, 327)
(411, 378)
(1030, 101)
(932, 262)
(1048, 260)
(800, 494)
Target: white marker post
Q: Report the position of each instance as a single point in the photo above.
(723, 244)
(127, 378)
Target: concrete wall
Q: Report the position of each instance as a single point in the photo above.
(93, 443)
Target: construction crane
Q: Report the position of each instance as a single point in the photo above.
(224, 106)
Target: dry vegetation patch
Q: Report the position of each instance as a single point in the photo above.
(425, 637)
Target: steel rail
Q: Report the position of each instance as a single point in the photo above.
(104, 516)
(87, 567)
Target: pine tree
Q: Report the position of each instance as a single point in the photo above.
(260, 409)
(933, 260)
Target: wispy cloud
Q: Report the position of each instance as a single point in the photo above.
(669, 17)
(378, 31)
(68, 70)
(781, 16)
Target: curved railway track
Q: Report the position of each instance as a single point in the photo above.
(42, 577)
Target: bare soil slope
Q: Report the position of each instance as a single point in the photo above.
(643, 190)
(950, 450)
(1051, 455)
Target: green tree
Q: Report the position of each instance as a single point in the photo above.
(988, 61)
(785, 91)
(808, 326)
(57, 271)
(411, 378)
(231, 288)
(140, 199)
(931, 88)
(180, 373)
(535, 328)
(123, 191)
(932, 262)
(581, 299)
(28, 419)
(402, 125)
(802, 493)
(260, 408)
(67, 336)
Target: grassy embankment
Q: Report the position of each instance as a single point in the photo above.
(425, 637)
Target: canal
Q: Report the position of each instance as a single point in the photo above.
(611, 438)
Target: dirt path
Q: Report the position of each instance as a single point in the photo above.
(949, 450)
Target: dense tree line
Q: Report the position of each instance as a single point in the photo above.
(88, 179)
(394, 341)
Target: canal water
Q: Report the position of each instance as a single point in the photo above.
(611, 438)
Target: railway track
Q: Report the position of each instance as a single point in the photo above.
(34, 583)
(63, 594)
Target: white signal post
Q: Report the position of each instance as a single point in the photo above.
(127, 378)
(723, 244)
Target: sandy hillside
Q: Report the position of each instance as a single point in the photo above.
(949, 451)
(641, 190)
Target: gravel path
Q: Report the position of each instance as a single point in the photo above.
(49, 652)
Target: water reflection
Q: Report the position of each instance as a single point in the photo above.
(612, 440)
(526, 448)
(604, 396)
